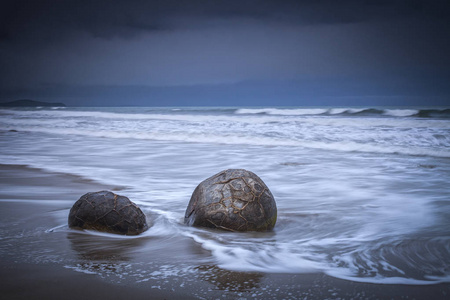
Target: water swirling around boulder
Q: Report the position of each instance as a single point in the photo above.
(234, 200)
(107, 212)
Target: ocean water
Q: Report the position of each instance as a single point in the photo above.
(363, 194)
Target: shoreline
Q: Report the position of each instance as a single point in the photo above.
(26, 176)
(34, 276)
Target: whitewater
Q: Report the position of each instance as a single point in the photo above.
(362, 193)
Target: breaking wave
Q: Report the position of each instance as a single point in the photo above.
(420, 261)
(192, 137)
(395, 131)
(397, 112)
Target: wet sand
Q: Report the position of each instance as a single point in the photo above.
(32, 267)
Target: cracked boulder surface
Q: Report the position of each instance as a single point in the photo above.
(107, 212)
(234, 200)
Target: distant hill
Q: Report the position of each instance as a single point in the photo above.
(30, 103)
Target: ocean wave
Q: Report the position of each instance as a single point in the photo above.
(398, 112)
(150, 113)
(235, 139)
(237, 258)
(56, 116)
(80, 114)
(421, 262)
(282, 112)
(253, 115)
(434, 113)
(396, 262)
(76, 119)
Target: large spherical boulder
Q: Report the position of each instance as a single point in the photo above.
(108, 212)
(235, 200)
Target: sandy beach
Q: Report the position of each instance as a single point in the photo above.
(32, 203)
(340, 108)
(28, 197)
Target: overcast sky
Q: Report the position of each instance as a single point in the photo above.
(244, 52)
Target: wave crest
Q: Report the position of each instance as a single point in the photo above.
(397, 112)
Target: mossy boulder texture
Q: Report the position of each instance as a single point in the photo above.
(235, 200)
(107, 212)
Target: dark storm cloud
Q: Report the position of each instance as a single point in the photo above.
(104, 18)
(47, 45)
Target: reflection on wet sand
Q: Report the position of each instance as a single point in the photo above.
(229, 280)
(92, 247)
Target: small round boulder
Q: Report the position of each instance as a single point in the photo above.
(234, 200)
(107, 212)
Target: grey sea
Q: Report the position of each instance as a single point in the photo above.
(363, 199)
